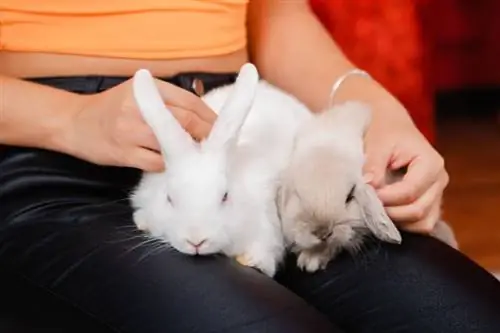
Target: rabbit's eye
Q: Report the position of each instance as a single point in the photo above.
(169, 199)
(350, 196)
(224, 197)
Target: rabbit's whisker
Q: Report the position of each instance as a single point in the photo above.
(126, 239)
(156, 249)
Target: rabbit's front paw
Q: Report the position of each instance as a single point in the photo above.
(259, 260)
(311, 261)
(140, 220)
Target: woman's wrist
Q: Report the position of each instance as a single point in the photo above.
(365, 89)
(57, 132)
(33, 115)
(314, 62)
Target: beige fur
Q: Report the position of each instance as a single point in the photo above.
(324, 171)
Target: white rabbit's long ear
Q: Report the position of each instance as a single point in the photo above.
(173, 139)
(235, 110)
(374, 215)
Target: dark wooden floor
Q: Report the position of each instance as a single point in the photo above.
(470, 143)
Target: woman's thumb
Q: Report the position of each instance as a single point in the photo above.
(375, 167)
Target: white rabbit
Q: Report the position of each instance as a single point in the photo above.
(218, 196)
(324, 204)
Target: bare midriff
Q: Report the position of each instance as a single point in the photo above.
(28, 65)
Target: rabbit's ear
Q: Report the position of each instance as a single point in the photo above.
(374, 215)
(173, 139)
(235, 110)
(350, 116)
(281, 198)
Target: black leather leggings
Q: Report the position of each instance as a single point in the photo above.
(72, 261)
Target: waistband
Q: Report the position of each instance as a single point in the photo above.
(197, 83)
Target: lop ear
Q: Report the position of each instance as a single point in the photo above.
(235, 110)
(173, 139)
(374, 215)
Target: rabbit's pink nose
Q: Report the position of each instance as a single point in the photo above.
(197, 244)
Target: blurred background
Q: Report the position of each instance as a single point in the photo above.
(442, 60)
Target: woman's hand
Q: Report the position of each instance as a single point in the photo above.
(107, 128)
(393, 142)
(309, 72)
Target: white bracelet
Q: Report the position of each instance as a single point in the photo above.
(340, 80)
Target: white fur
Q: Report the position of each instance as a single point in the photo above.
(244, 160)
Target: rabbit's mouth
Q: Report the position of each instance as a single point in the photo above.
(196, 247)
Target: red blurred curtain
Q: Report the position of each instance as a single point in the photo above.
(465, 40)
(384, 38)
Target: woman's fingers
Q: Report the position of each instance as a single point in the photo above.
(426, 225)
(417, 210)
(197, 127)
(174, 96)
(144, 137)
(415, 216)
(144, 159)
(191, 111)
(191, 122)
(422, 173)
(377, 160)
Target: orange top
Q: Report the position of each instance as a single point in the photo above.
(136, 29)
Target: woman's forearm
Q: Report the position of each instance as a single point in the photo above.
(295, 52)
(34, 115)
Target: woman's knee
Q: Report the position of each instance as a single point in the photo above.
(420, 285)
(133, 284)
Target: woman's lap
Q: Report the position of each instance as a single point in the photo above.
(78, 243)
(108, 275)
(66, 227)
(421, 285)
